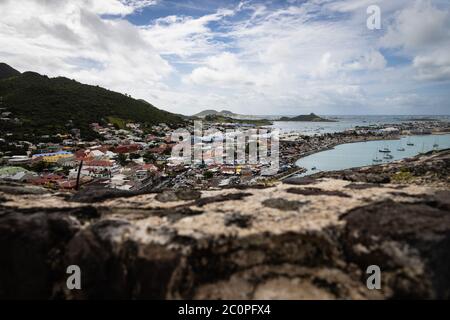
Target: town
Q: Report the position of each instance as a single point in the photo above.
(126, 157)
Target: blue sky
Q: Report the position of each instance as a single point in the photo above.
(251, 57)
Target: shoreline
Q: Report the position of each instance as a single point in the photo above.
(291, 159)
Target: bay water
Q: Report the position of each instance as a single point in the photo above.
(360, 154)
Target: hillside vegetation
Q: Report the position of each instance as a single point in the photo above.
(48, 105)
(307, 117)
(7, 72)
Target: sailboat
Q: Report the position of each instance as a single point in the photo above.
(385, 150)
(376, 159)
(409, 143)
(436, 144)
(400, 147)
(388, 157)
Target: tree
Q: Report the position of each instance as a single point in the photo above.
(134, 156)
(122, 159)
(149, 157)
(39, 166)
(208, 174)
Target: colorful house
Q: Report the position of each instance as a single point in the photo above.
(52, 157)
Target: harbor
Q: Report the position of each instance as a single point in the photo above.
(358, 154)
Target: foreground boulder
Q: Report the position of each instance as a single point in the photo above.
(294, 240)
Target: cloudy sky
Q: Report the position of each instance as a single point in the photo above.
(253, 57)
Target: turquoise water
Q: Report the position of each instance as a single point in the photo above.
(360, 154)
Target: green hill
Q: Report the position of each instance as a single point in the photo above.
(222, 119)
(307, 117)
(46, 105)
(7, 72)
(226, 114)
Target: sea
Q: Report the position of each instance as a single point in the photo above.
(360, 154)
(348, 122)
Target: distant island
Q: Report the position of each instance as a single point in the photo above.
(267, 119)
(211, 112)
(227, 114)
(307, 117)
(217, 118)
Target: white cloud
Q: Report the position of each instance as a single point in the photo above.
(418, 27)
(372, 60)
(185, 36)
(70, 38)
(433, 67)
(223, 70)
(422, 32)
(316, 56)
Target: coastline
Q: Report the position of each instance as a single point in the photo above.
(342, 140)
(296, 145)
(298, 170)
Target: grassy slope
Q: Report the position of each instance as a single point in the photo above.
(46, 104)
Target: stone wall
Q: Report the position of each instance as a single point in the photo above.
(307, 238)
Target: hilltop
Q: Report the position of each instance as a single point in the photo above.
(211, 112)
(46, 105)
(308, 117)
(7, 71)
(218, 118)
(227, 114)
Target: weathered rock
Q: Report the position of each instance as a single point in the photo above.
(95, 194)
(239, 220)
(188, 194)
(409, 242)
(270, 243)
(221, 198)
(169, 195)
(17, 189)
(361, 186)
(317, 192)
(31, 248)
(300, 180)
(282, 204)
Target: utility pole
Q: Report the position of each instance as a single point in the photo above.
(78, 175)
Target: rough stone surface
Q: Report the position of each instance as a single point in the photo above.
(308, 241)
(317, 192)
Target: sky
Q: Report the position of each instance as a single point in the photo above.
(251, 57)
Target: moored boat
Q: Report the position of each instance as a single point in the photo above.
(409, 143)
(436, 144)
(376, 159)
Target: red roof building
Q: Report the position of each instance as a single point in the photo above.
(127, 148)
(98, 163)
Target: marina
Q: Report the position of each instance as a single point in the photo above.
(351, 155)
